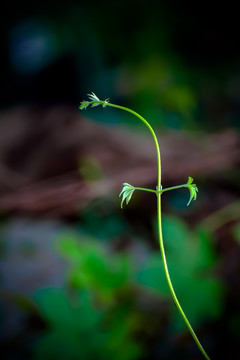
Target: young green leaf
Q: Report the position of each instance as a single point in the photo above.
(126, 193)
(93, 97)
(192, 189)
(84, 105)
(94, 101)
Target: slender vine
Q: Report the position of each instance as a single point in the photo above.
(128, 190)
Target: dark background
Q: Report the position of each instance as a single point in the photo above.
(81, 278)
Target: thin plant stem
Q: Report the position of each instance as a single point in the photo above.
(165, 266)
(158, 192)
(159, 218)
(144, 189)
(153, 135)
(173, 188)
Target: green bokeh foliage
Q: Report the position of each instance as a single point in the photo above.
(98, 313)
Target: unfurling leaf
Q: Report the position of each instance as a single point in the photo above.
(126, 193)
(84, 105)
(93, 97)
(94, 101)
(192, 189)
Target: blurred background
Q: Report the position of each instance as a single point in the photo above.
(81, 278)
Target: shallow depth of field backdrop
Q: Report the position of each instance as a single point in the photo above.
(81, 278)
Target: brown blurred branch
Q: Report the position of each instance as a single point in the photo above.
(41, 151)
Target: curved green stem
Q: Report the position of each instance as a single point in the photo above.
(153, 135)
(158, 192)
(165, 266)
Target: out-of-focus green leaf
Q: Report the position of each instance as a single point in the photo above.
(92, 267)
(78, 330)
(151, 274)
(200, 299)
(60, 312)
(190, 258)
(178, 97)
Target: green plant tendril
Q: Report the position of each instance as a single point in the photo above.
(128, 190)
